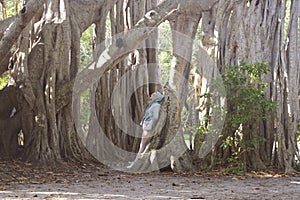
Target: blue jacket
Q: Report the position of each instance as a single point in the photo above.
(152, 111)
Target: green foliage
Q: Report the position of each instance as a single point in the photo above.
(246, 104)
(287, 18)
(245, 95)
(235, 165)
(11, 8)
(202, 129)
(3, 80)
(165, 50)
(165, 58)
(297, 160)
(228, 142)
(298, 133)
(86, 44)
(86, 57)
(196, 46)
(86, 53)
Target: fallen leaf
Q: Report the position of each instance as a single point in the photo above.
(236, 178)
(197, 197)
(178, 184)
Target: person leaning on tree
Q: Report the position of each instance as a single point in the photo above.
(148, 122)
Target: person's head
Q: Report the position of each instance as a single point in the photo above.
(152, 96)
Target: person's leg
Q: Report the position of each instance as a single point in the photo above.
(144, 142)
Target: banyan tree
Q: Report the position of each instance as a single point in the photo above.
(40, 53)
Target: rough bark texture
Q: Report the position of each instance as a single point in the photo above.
(288, 84)
(132, 39)
(4, 24)
(10, 122)
(184, 27)
(248, 41)
(117, 119)
(47, 59)
(259, 37)
(49, 132)
(167, 147)
(25, 15)
(136, 60)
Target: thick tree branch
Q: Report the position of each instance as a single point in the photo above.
(5, 63)
(23, 18)
(91, 6)
(4, 24)
(124, 45)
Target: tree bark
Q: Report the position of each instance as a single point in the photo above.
(49, 132)
(47, 61)
(167, 147)
(128, 43)
(10, 122)
(25, 15)
(289, 62)
(259, 37)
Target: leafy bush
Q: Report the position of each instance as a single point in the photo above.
(3, 80)
(246, 104)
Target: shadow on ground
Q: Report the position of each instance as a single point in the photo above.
(21, 180)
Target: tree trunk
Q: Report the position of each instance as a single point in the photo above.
(30, 9)
(184, 29)
(116, 116)
(49, 132)
(288, 79)
(47, 59)
(245, 45)
(167, 147)
(117, 50)
(10, 122)
(259, 37)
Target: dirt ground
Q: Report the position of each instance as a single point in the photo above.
(72, 181)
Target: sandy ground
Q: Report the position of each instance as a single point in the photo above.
(90, 182)
(159, 186)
